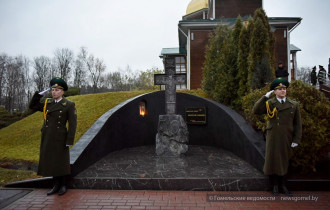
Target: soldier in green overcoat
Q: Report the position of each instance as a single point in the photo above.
(284, 130)
(54, 159)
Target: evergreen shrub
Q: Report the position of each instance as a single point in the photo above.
(72, 91)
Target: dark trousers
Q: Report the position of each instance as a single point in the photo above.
(277, 180)
(59, 180)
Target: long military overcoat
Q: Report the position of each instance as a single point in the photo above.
(54, 159)
(283, 129)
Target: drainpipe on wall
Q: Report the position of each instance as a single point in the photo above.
(213, 9)
(188, 56)
(287, 34)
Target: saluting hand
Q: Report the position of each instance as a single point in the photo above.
(269, 93)
(44, 92)
(294, 144)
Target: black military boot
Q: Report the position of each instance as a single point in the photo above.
(274, 182)
(284, 189)
(275, 190)
(56, 187)
(63, 188)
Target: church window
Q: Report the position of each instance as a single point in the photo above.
(180, 68)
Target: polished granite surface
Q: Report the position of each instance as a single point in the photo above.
(202, 168)
(142, 162)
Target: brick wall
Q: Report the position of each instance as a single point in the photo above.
(281, 48)
(233, 8)
(197, 56)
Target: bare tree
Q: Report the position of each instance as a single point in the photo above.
(130, 78)
(3, 70)
(145, 79)
(28, 79)
(304, 74)
(24, 89)
(79, 71)
(42, 72)
(114, 81)
(14, 89)
(95, 67)
(11, 76)
(126, 80)
(62, 62)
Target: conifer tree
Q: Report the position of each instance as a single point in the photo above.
(262, 74)
(261, 14)
(242, 63)
(227, 94)
(211, 67)
(260, 51)
(237, 31)
(239, 60)
(223, 90)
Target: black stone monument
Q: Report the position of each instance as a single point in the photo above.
(118, 152)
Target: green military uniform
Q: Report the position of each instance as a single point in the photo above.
(283, 129)
(54, 153)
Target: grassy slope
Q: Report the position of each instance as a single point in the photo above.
(20, 141)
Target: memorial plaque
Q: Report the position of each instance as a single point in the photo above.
(196, 116)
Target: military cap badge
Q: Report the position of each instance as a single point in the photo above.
(279, 82)
(58, 82)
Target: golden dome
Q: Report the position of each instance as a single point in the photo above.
(196, 5)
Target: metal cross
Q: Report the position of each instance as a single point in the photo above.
(170, 80)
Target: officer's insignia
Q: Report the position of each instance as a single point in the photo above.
(64, 103)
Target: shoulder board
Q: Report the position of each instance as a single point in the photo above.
(272, 100)
(50, 100)
(69, 102)
(292, 101)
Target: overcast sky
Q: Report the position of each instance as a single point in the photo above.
(134, 32)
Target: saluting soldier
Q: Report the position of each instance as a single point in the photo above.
(54, 159)
(284, 130)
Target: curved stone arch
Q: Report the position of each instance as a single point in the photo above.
(122, 127)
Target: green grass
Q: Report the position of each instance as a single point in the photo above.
(20, 141)
(11, 175)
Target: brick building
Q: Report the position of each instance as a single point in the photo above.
(203, 16)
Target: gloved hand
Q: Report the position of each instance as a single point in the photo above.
(44, 92)
(294, 144)
(268, 94)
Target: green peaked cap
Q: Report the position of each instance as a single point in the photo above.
(279, 82)
(58, 82)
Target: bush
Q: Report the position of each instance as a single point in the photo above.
(72, 91)
(257, 121)
(6, 118)
(314, 109)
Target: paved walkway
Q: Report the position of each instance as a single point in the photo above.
(188, 200)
